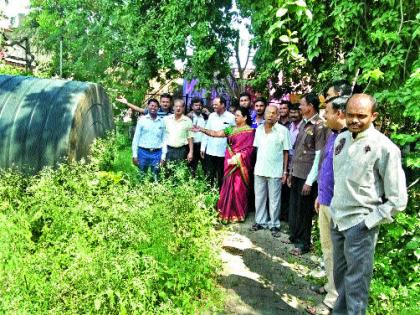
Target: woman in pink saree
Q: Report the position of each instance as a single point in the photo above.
(234, 193)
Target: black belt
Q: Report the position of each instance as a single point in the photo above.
(181, 147)
(150, 149)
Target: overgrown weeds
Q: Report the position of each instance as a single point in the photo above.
(86, 238)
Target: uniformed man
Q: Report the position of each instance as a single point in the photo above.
(334, 114)
(369, 187)
(310, 140)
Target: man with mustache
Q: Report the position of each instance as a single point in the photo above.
(369, 188)
(148, 139)
(309, 142)
(335, 120)
(213, 149)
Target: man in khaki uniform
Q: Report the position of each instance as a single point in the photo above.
(309, 142)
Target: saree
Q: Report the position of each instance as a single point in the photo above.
(234, 193)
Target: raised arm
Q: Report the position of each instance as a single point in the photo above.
(123, 100)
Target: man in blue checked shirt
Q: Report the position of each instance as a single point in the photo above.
(148, 139)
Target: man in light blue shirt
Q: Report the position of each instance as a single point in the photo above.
(148, 139)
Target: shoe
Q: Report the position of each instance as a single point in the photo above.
(297, 251)
(256, 227)
(318, 289)
(287, 241)
(320, 309)
(275, 232)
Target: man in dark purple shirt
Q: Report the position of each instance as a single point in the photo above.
(336, 122)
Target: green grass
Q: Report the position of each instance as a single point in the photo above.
(93, 238)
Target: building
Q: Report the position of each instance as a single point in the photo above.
(12, 14)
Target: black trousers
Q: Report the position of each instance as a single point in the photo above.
(196, 158)
(177, 154)
(213, 167)
(285, 202)
(301, 210)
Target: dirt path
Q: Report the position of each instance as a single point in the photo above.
(261, 277)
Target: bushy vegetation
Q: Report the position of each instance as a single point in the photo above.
(303, 45)
(395, 284)
(84, 238)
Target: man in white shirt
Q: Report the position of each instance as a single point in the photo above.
(179, 139)
(213, 149)
(272, 141)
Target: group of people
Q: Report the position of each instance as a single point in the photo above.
(286, 161)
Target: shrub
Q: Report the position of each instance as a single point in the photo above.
(79, 239)
(395, 288)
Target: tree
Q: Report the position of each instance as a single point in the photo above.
(125, 44)
(304, 45)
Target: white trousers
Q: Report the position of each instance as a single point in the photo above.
(271, 187)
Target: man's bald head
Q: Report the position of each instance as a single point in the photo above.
(363, 100)
(360, 112)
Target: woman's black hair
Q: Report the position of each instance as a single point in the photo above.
(245, 113)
